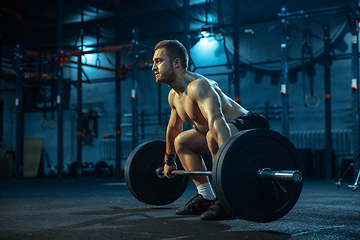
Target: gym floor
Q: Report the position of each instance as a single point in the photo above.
(94, 208)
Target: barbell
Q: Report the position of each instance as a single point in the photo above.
(256, 175)
(265, 174)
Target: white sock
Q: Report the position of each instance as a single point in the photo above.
(206, 191)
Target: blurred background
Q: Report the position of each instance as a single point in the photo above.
(77, 93)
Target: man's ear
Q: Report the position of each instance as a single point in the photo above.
(177, 62)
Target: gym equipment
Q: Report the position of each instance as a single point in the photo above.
(237, 183)
(355, 185)
(256, 175)
(142, 180)
(265, 174)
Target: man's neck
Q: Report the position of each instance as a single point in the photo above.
(181, 81)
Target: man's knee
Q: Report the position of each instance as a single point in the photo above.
(190, 141)
(179, 143)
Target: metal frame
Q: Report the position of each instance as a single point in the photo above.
(118, 94)
(19, 153)
(236, 40)
(355, 78)
(60, 87)
(285, 75)
(356, 183)
(134, 94)
(285, 16)
(117, 48)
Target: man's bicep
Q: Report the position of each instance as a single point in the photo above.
(174, 117)
(174, 121)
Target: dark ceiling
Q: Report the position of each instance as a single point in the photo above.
(35, 22)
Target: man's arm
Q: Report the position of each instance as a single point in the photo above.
(174, 127)
(209, 102)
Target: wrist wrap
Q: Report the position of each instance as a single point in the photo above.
(169, 159)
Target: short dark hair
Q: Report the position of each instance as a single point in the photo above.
(174, 49)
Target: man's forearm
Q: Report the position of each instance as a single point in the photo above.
(220, 131)
(171, 134)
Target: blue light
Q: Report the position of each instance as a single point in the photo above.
(206, 31)
(205, 34)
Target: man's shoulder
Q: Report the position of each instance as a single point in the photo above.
(199, 88)
(171, 97)
(201, 83)
(172, 94)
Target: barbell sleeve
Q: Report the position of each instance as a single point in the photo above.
(266, 174)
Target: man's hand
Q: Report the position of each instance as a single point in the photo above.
(168, 169)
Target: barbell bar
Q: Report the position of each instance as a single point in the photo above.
(264, 174)
(160, 172)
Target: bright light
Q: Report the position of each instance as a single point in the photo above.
(84, 48)
(206, 31)
(205, 34)
(206, 51)
(208, 43)
(209, 52)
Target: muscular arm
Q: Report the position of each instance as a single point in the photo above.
(174, 127)
(204, 94)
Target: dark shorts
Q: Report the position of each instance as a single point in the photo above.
(249, 121)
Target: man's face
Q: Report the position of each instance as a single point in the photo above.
(162, 67)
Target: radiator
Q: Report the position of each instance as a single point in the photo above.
(108, 149)
(315, 140)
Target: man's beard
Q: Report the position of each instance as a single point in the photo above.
(166, 77)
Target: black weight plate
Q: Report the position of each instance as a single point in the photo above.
(235, 175)
(141, 178)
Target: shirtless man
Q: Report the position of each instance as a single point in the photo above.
(214, 116)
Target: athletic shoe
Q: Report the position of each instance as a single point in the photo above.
(216, 212)
(196, 206)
